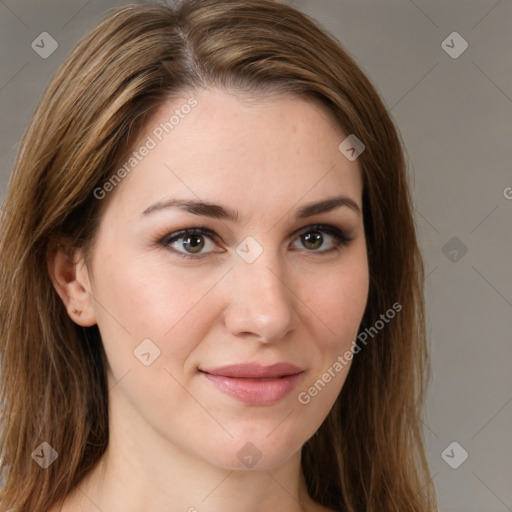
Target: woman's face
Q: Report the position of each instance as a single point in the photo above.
(257, 284)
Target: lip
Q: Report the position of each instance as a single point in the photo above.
(253, 383)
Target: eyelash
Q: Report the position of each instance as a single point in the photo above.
(340, 237)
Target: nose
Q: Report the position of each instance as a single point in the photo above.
(262, 300)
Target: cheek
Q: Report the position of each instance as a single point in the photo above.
(336, 307)
(137, 300)
(338, 302)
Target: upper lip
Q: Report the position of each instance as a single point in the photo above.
(255, 370)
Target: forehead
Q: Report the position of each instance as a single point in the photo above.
(258, 153)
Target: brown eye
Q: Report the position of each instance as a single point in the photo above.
(312, 240)
(315, 236)
(194, 242)
(190, 243)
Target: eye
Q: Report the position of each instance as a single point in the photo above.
(194, 240)
(191, 240)
(312, 238)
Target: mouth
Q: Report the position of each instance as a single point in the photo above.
(253, 383)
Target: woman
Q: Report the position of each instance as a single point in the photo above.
(212, 283)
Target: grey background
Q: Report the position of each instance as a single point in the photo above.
(455, 118)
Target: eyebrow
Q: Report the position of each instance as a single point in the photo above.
(217, 211)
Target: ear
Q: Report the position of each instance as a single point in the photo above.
(70, 279)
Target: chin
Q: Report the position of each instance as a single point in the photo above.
(256, 449)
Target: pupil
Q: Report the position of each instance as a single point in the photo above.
(313, 238)
(195, 241)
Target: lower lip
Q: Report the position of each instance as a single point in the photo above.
(255, 391)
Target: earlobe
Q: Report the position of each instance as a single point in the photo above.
(70, 278)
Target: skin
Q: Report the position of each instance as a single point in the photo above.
(174, 437)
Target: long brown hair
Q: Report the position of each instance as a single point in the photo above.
(368, 455)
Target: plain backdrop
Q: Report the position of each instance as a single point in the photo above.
(453, 108)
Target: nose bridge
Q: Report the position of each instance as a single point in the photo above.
(261, 301)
